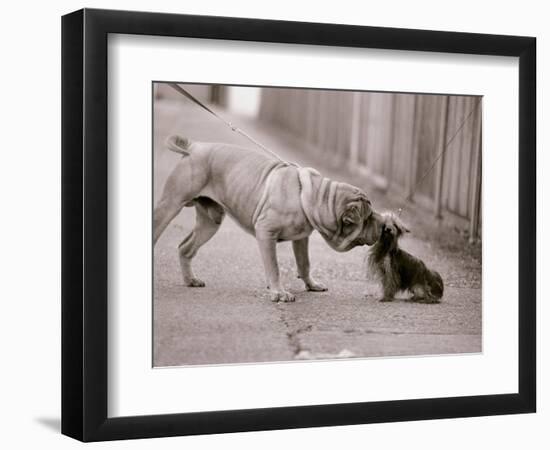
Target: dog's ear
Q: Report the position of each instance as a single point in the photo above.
(401, 226)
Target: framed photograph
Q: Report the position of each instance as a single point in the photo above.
(273, 224)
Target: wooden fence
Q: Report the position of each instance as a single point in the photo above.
(394, 139)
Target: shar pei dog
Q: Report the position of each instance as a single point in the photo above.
(270, 199)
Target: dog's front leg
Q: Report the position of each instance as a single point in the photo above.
(301, 253)
(268, 249)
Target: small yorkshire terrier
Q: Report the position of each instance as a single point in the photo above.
(398, 270)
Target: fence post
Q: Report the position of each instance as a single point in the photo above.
(355, 128)
(442, 141)
(413, 154)
(475, 199)
(390, 151)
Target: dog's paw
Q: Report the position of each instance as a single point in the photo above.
(282, 296)
(313, 286)
(194, 282)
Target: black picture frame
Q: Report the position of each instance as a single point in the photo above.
(84, 224)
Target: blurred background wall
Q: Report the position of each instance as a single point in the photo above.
(394, 139)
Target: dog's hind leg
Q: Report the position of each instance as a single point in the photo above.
(209, 216)
(422, 295)
(182, 186)
(165, 211)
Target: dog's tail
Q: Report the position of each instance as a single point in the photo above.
(178, 144)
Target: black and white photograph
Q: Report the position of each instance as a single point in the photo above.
(296, 224)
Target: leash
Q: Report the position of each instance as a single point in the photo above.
(185, 93)
(437, 158)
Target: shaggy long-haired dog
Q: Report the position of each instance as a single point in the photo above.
(398, 270)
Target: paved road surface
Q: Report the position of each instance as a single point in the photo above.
(231, 320)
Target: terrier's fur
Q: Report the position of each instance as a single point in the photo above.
(398, 270)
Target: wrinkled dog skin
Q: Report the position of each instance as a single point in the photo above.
(271, 200)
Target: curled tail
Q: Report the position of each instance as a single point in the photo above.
(178, 144)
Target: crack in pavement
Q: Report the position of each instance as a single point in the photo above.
(293, 333)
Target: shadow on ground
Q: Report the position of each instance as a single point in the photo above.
(52, 423)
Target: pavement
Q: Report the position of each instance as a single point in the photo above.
(232, 320)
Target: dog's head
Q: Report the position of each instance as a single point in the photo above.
(391, 229)
(357, 222)
(342, 213)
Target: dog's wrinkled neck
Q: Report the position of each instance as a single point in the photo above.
(325, 202)
(317, 192)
